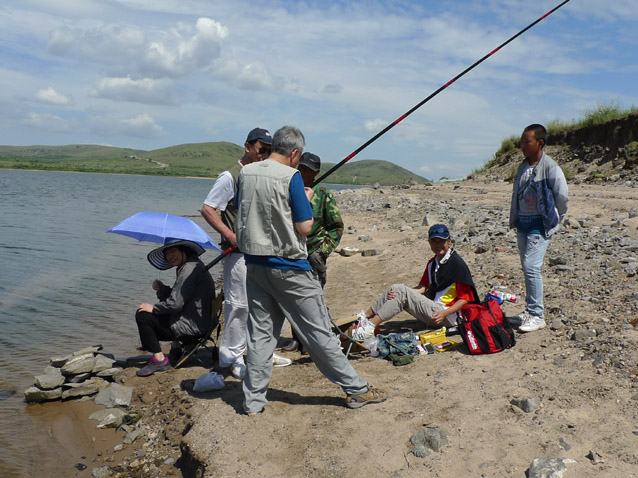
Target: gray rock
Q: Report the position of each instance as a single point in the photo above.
(349, 251)
(528, 405)
(564, 445)
(427, 441)
(557, 261)
(133, 435)
(108, 418)
(79, 364)
(78, 378)
(364, 238)
(102, 472)
(51, 380)
(405, 228)
(102, 363)
(36, 395)
(548, 467)
(371, 252)
(115, 395)
(583, 335)
(595, 458)
(58, 361)
(89, 387)
(93, 349)
(563, 268)
(109, 372)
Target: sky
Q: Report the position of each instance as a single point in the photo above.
(149, 74)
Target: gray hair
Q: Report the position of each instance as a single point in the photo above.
(287, 139)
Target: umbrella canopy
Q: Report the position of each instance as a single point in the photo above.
(163, 228)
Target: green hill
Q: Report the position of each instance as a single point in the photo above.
(197, 159)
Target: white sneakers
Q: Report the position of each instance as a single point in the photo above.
(363, 329)
(238, 370)
(279, 361)
(530, 323)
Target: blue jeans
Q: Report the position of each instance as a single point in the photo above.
(532, 248)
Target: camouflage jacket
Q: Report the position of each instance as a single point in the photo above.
(328, 227)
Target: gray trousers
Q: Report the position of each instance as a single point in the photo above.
(273, 296)
(409, 300)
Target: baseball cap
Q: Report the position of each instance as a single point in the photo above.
(259, 134)
(438, 230)
(311, 161)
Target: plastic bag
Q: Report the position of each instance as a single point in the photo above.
(208, 382)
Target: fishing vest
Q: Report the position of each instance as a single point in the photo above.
(229, 215)
(264, 219)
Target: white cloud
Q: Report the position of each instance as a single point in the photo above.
(253, 76)
(175, 52)
(142, 126)
(46, 122)
(186, 51)
(145, 90)
(374, 125)
(52, 97)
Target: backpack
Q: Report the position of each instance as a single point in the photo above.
(484, 328)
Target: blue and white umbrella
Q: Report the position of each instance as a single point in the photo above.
(163, 228)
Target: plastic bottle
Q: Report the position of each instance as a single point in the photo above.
(503, 296)
(371, 344)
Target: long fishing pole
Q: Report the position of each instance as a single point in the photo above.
(402, 117)
(405, 115)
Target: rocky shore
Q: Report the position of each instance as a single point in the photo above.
(562, 402)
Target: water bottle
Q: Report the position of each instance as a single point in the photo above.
(372, 345)
(501, 296)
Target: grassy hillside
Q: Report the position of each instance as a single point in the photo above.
(198, 159)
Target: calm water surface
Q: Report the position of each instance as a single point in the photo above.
(65, 283)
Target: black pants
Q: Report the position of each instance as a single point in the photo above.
(152, 329)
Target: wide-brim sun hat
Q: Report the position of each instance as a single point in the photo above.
(158, 260)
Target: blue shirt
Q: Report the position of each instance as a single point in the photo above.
(301, 211)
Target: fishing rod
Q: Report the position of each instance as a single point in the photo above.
(405, 115)
(408, 113)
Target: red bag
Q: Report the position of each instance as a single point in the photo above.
(484, 328)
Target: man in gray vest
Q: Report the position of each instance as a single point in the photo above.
(220, 212)
(274, 217)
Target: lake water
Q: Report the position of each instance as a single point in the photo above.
(65, 283)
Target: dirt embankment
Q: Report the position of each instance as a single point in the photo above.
(592, 154)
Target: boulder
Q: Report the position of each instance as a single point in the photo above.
(79, 364)
(108, 418)
(89, 387)
(102, 363)
(35, 394)
(115, 395)
(48, 381)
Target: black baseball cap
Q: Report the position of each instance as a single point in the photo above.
(311, 161)
(259, 134)
(438, 230)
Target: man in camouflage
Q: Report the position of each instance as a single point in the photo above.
(328, 227)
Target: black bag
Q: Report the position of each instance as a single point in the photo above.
(484, 328)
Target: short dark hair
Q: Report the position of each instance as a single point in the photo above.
(539, 132)
(188, 252)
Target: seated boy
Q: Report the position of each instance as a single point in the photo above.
(445, 287)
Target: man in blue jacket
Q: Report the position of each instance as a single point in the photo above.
(539, 204)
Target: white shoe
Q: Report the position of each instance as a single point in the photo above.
(530, 323)
(363, 329)
(238, 370)
(279, 361)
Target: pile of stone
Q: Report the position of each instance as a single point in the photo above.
(80, 374)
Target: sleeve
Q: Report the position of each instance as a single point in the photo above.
(560, 193)
(332, 222)
(425, 279)
(464, 291)
(182, 291)
(301, 209)
(222, 192)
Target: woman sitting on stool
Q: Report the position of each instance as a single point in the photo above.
(183, 311)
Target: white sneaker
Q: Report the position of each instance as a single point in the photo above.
(363, 329)
(530, 323)
(279, 361)
(238, 370)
